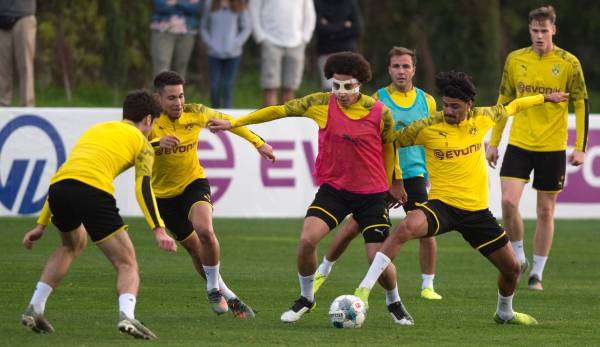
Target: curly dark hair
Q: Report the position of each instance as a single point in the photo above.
(348, 63)
(138, 104)
(167, 78)
(456, 84)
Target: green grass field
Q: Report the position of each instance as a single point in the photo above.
(258, 262)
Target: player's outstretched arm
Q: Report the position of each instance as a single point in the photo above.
(145, 197)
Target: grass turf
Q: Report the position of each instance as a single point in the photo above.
(258, 263)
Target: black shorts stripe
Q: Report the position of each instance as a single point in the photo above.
(147, 194)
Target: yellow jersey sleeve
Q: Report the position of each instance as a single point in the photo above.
(390, 153)
(579, 96)
(143, 188)
(412, 134)
(500, 112)
(208, 113)
(313, 106)
(500, 125)
(45, 214)
(431, 105)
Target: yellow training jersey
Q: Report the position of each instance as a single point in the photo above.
(543, 128)
(407, 99)
(315, 106)
(175, 168)
(101, 154)
(455, 153)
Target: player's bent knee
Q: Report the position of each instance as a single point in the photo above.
(545, 212)
(206, 235)
(509, 203)
(307, 244)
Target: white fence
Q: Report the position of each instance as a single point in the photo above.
(34, 141)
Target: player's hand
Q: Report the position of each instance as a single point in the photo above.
(33, 235)
(266, 151)
(216, 125)
(396, 195)
(169, 142)
(556, 97)
(164, 241)
(491, 154)
(576, 158)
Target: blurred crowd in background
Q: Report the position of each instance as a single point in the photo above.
(122, 44)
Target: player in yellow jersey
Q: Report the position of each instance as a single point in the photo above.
(182, 190)
(458, 198)
(354, 167)
(538, 136)
(80, 200)
(407, 103)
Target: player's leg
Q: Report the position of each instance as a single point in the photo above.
(324, 214)
(506, 262)
(192, 245)
(416, 225)
(201, 218)
(482, 231)
(56, 268)
(119, 250)
(387, 280)
(548, 180)
(512, 190)
(544, 233)
(338, 245)
(313, 231)
(514, 174)
(416, 190)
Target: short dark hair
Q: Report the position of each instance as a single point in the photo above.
(398, 51)
(456, 84)
(543, 13)
(167, 78)
(348, 63)
(138, 104)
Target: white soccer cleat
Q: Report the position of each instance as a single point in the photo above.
(300, 307)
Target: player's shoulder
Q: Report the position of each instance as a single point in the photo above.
(194, 108)
(315, 99)
(519, 54)
(436, 119)
(566, 56)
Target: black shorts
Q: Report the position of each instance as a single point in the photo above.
(175, 211)
(74, 203)
(369, 210)
(416, 189)
(479, 228)
(548, 167)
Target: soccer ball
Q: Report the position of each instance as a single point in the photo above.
(347, 311)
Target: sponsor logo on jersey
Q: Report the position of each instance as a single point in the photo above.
(456, 153)
(174, 150)
(528, 88)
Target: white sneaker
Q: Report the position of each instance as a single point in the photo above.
(300, 307)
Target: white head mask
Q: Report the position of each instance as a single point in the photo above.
(344, 87)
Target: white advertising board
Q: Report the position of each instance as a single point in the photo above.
(34, 141)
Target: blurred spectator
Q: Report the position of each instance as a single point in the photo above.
(339, 24)
(174, 28)
(282, 28)
(225, 27)
(18, 27)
